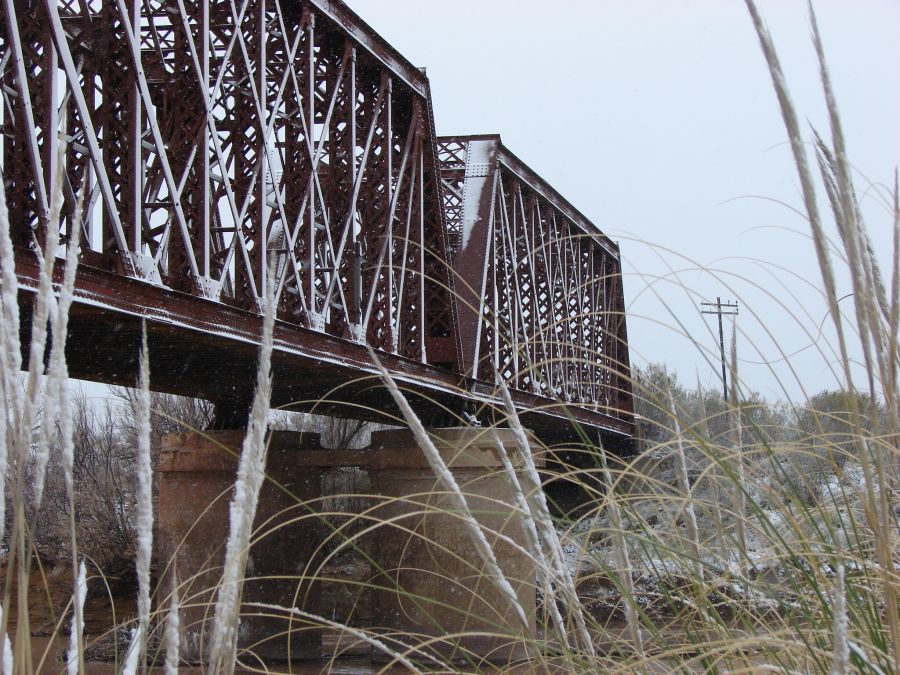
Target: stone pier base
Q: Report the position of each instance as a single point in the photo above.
(196, 481)
(433, 586)
(428, 588)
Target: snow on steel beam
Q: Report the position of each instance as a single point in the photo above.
(539, 286)
(366, 37)
(218, 141)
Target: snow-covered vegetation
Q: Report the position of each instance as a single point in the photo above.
(747, 536)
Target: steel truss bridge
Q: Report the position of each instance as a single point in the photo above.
(215, 143)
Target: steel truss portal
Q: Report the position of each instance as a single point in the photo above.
(539, 287)
(220, 147)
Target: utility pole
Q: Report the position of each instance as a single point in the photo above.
(720, 308)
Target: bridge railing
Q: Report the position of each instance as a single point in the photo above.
(218, 142)
(539, 286)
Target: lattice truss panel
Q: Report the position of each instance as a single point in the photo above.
(452, 158)
(545, 310)
(215, 141)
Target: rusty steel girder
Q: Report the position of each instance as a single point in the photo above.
(539, 287)
(224, 147)
(218, 143)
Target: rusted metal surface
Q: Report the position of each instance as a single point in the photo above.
(540, 287)
(220, 143)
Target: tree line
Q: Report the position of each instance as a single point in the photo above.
(825, 422)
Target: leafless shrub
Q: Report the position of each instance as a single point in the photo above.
(104, 475)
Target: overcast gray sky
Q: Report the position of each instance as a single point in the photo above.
(657, 119)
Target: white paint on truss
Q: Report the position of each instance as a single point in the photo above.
(358, 30)
(566, 210)
(357, 332)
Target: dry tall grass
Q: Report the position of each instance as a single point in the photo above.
(736, 558)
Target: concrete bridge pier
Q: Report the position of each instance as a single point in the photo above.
(196, 480)
(427, 585)
(432, 587)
